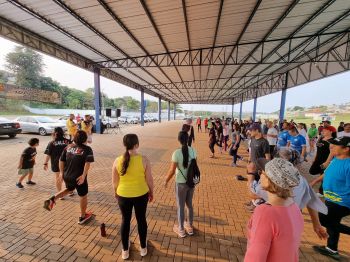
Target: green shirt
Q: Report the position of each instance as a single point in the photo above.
(312, 132)
(177, 157)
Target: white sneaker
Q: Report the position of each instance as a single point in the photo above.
(125, 253)
(181, 233)
(143, 251)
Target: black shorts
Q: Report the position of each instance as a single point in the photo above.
(82, 189)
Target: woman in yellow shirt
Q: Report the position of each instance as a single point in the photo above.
(133, 186)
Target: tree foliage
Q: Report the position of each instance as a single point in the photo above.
(27, 65)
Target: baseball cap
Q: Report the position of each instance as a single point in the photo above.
(340, 141)
(330, 128)
(255, 126)
(326, 121)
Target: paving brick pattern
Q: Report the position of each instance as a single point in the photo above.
(30, 233)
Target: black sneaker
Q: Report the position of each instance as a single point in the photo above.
(19, 185)
(326, 252)
(31, 183)
(84, 219)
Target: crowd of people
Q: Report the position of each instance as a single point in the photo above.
(276, 151)
(277, 190)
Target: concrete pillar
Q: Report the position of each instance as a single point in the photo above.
(283, 99)
(97, 99)
(254, 108)
(174, 111)
(159, 110)
(168, 110)
(233, 108)
(240, 110)
(142, 107)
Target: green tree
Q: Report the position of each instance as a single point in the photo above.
(27, 66)
(3, 77)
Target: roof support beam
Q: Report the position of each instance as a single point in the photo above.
(30, 39)
(255, 9)
(317, 48)
(267, 35)
(296, 31)
(216, 30)
(150, 17)
(218, 55)
(313, 70)
(188, 34)
(56, 27)
(131, 35)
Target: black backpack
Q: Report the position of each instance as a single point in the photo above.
(193, 174)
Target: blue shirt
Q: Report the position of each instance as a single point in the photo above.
(336, 182)
(297, 142)
(282, 139)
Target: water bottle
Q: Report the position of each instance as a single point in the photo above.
(103, 230)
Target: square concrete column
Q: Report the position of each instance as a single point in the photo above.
(97, 100)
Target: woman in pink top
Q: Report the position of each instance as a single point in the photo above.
(275, 228)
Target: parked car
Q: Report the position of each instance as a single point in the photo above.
(133, 120)
(39, 124)
(122, 119)
(128, 120)
(110, 122)
(9, 128)
(63, 119)
(147, 119)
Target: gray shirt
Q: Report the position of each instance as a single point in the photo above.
(234, 136)
(303, 195)
(258, 149)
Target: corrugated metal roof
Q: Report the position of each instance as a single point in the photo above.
(104, 30)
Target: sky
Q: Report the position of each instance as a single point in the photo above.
(331, 90)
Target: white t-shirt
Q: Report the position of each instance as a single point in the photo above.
(343, 133)
(272, 140)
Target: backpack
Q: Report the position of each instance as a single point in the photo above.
(193, 174)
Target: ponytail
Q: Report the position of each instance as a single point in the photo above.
(183, 139)
(126, 161)
(129, 141)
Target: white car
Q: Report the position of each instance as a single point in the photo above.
(128, 120)
(147, 119)
(110, 122)
(39, 124)
(132, 120)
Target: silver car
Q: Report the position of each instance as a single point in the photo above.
(39, 124)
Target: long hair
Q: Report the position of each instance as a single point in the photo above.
(58, 133)
(183, 139)
(129, 141)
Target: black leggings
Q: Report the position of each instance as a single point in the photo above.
(235, 155)
(199, 127)
(140, 204)
(211, 146)
(332, 223)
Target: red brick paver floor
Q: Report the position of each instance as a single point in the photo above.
(30, 233)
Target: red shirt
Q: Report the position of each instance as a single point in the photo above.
(205, 122)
